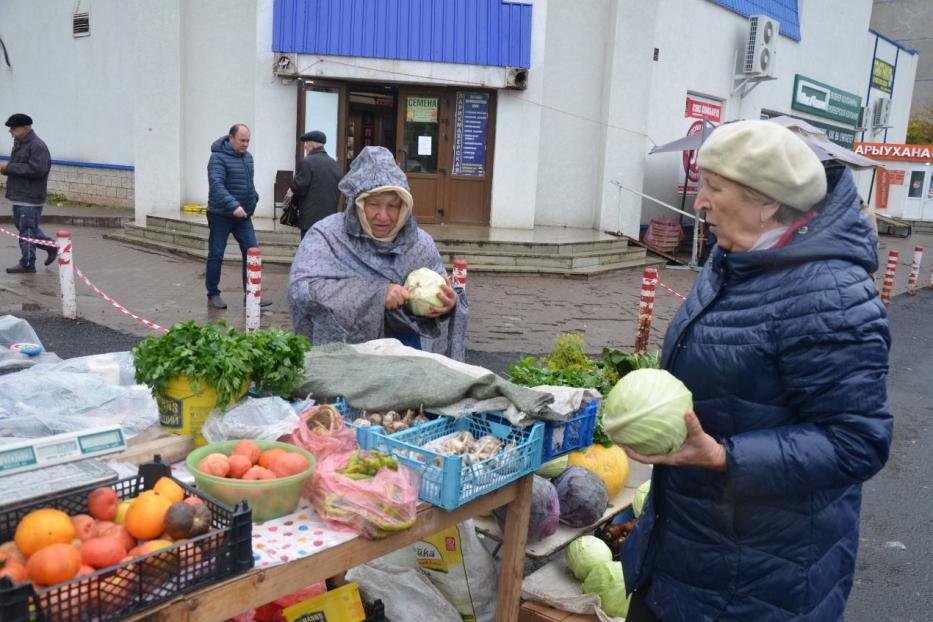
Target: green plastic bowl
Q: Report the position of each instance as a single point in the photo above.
(269, 498)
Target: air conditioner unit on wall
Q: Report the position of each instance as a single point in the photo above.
(881, 113)
(760, 49)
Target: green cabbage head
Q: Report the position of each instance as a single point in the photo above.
(423, 285)
(553, 468)
(641, 494)
(584, 553)
(606, 580)
(645, 411)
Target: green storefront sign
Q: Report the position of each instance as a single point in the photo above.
(825, 101)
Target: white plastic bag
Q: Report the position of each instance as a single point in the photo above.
(263, 418)
(114, 367)
(37, 403)
(406, 594)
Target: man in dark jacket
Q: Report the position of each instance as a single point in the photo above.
(27, 175)
(230, 205)
(315, 183)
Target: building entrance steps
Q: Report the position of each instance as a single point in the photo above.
(554, 251)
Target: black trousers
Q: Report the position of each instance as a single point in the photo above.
(637, 609)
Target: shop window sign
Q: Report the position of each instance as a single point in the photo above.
(882, 76)
(470, 127)
(825, 101)
(421, 110)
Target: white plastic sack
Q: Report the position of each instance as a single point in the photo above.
(16, 330)
(263, 418)
(114, 367)
(36, 403)
(406, 594)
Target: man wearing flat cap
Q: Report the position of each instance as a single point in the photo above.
(315, 184)
(27, 181)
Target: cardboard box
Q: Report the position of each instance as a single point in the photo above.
(536, 612)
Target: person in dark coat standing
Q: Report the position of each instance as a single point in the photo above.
(784, 344)
(27, 183)
(315, 182)
(231, 202)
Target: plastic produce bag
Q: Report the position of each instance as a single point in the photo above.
(17, 330)
(264, 418)
(35, 404)
(406, 594)
(321, 430)
(374, 506)
(114, 367)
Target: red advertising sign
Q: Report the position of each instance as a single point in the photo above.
(700, 109)
(895, 151)
(896, 178)
(884, 186)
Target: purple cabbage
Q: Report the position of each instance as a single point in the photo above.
(545, 511)
(583, 497)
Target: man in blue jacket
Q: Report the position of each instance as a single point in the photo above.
(230, 206)
(27, 175)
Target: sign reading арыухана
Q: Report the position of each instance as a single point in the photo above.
(895, 151)
(825, 101)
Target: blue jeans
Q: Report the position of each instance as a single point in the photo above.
(221, 227)
(26, 218)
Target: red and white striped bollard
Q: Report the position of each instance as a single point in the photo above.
(645, 308)
(253, 288)
(889, 276)
(66, 276)
(914, 271)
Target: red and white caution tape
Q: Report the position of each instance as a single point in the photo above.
(645, 308)
(888, 283)
(34, 241)
(676, 293)
(116, 304)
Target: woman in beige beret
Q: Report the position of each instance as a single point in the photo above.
(784, 345)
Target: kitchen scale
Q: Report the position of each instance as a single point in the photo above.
(36, 467)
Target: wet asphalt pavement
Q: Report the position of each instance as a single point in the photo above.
(896, 552)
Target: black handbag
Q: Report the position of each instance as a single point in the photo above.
(289, 215)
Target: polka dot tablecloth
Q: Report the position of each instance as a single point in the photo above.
(293, 536)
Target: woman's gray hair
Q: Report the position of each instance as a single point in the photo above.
(784, 214)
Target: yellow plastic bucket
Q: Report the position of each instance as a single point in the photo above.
(183, 411)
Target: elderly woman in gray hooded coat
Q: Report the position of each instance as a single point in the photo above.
(346, 280)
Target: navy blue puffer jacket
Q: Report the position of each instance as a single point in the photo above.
(230, 175)
(786, 353)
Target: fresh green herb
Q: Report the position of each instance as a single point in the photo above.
(217, 355)
(568, 366)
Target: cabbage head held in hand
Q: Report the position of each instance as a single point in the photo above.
(423, 285)
(645, 411)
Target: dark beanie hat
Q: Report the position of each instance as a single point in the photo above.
(314, 136)
(19, 119)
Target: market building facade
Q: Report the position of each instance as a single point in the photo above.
(503, 113)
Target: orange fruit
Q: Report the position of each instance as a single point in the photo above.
(41, 528)
(85, 527)
(215, 464)
(247, 448)
(145, 515)
(239, 464)
(53, 564)
(102, 551)
(168, 488)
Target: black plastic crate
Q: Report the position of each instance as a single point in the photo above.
(118, 591)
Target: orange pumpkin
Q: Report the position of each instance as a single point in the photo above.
(53, 564)
(43, 527)
(145, 515)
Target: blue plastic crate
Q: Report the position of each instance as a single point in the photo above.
(561, 437)
(450, 481)
(364, 434)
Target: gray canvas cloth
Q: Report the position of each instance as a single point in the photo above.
(378, 382)
(338, 282)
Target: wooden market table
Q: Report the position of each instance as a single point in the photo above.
(546, 548)
(258, 587)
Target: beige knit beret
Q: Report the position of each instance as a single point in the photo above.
(768, 158)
